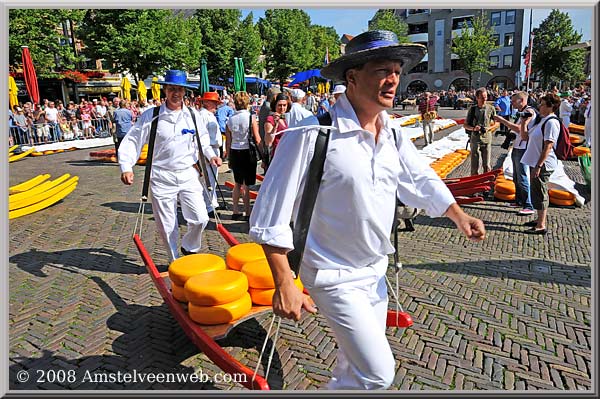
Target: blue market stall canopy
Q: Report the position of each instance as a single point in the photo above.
(252, 79)
(216, 87)
(304, 75)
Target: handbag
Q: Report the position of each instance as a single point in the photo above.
(255, 153)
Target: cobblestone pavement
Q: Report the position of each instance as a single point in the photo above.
(511, 313)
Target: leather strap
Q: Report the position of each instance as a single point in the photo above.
(309, 198)
(151, 141)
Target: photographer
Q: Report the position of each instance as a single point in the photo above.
(525, 114)
(480, 123)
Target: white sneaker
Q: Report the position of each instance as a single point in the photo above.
(525, 211)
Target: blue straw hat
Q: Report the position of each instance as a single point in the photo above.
(176, 77)
(372, 45)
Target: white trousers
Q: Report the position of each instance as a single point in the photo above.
(167, 187)
(566, 120)
(588, 131)
(354, 302)
(210, 198)
(428, 131)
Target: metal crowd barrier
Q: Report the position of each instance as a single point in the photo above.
(46, 133)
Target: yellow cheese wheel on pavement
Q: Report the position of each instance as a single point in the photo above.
(505, 197)
(577, 151)
(221, 314)
(562, 202)
(238, 255)
(505, 187)
(259, 274)
(561, 194)
(178, 293)
(216, 288)
(185, 267)
(265, 297)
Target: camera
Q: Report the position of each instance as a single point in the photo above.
(524, 114)
(510, 136)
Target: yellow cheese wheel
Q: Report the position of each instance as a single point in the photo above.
(265, 297)
(259, 274)
(238, 255)
(562, 202)
(576, 139)
(178, 292)
(185, 267)
(505, 187)
(505, 197)
(221, 314)
(561, 194)
(577, 151)
(216, 288)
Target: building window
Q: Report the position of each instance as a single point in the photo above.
(417, 28)
(496, 18)
(412, 11)
(496, 40)
(455, 65)
(459, 23)
(510, 17)
(420, 68)
(494, 60)
(509, 39)
(508, 61)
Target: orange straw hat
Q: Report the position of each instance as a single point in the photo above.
(211, 96)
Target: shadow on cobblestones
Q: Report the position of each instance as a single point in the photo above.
(533, 270)
(74, 260)
(129, 207)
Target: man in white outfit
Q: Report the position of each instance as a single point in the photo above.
(174, 175)
(210, 102)
(297, 112)
(588, 123)
(346, 254)
(565, 110)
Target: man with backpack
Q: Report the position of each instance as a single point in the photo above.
(546, 145)
(366, 164)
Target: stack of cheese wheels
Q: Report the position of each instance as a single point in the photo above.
(261, 283)
(143, 155)
(579, 151)
(504, 189)
(573, 128)
(218, 297)
(561, 197)
(576, 139)
(238, 255)
(449, 162)
(182, 269)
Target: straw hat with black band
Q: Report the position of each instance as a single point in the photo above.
(374, 45)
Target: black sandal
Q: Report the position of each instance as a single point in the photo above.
(532, 223)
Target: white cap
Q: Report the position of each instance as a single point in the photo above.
(297, 93)
(339, 89)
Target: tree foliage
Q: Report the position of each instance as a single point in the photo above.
(248, 45)
(41, 30)
(549, 58)
(287, 39)
(142, 42)
(386, 20)
(473, 46)
(324, 39)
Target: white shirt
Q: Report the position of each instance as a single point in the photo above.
(210, 121)
(588, 111)
(534, 144)
(51, 114)
(298, 115)
(519, 143)
(354, 211)
(172, 149)
(565, 108)
(238, 125)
